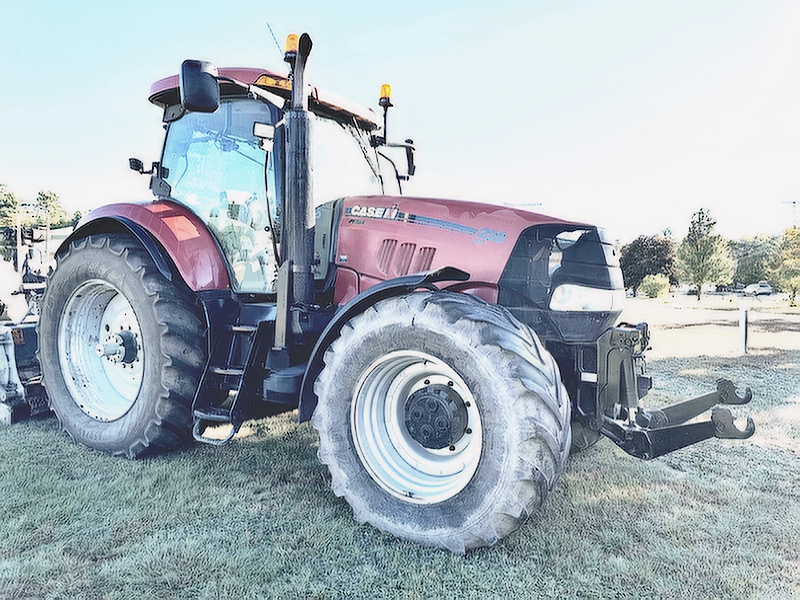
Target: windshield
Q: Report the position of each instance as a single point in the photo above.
(217, 169)
(344, 163)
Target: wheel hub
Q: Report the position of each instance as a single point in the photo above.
(401, 397)
(435, 416)
(119, 347)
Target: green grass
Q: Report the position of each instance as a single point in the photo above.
(256, 518)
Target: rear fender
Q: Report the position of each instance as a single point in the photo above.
(170, 233)
(381, 291)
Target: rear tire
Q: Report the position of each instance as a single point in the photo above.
(121, 348)
(490, 370)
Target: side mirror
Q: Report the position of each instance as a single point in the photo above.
(199, 86)
(266, 135)
(136, 165)
(412, 168)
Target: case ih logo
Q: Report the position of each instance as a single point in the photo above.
(373, 212)
(479, 236)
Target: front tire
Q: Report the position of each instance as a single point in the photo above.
(442, 419)
(121, 348)
(583, 437)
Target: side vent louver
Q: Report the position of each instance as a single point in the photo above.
(402, 263)
(424, 259)
(385, 255)
(395, 259)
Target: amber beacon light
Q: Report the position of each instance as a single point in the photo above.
(292, 42)
(386, 96)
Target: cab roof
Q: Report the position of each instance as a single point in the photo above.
(165, 93)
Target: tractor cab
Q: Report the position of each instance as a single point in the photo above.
(228, 166)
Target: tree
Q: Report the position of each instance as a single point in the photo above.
(647, 255)
(49, 205)
(8, 207)
(754, 257)
(787, 272)
(703, 257)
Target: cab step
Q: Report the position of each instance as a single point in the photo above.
(230, 380)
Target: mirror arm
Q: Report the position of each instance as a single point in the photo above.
(409, 146)
(137, 165)
(255, 90)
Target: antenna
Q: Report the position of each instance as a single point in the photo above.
(274, 39)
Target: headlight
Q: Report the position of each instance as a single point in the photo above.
(574, 298)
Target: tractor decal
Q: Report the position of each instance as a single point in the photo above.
(484, 234)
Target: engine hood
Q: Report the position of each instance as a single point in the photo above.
(382, 237)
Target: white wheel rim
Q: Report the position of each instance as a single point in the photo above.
(393, 458)
(97, 321)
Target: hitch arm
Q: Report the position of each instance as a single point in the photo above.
(644, 433)
(646, 443)
(688, 409)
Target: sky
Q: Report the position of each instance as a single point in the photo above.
(626, 114)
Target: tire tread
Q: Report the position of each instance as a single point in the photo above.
(539, 400)
(181, 343)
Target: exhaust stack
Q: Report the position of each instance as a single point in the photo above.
(299, 208)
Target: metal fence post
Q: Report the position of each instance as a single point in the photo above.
(744, 315)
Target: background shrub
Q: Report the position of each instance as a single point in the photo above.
(654, 286)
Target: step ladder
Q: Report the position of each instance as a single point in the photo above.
(231, 380)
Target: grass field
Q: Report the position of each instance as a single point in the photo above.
(256, 518)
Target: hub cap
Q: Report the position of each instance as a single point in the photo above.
(416, 427)
(100, 349)
(436, 416)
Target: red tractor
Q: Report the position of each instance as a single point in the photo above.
(450, 354)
